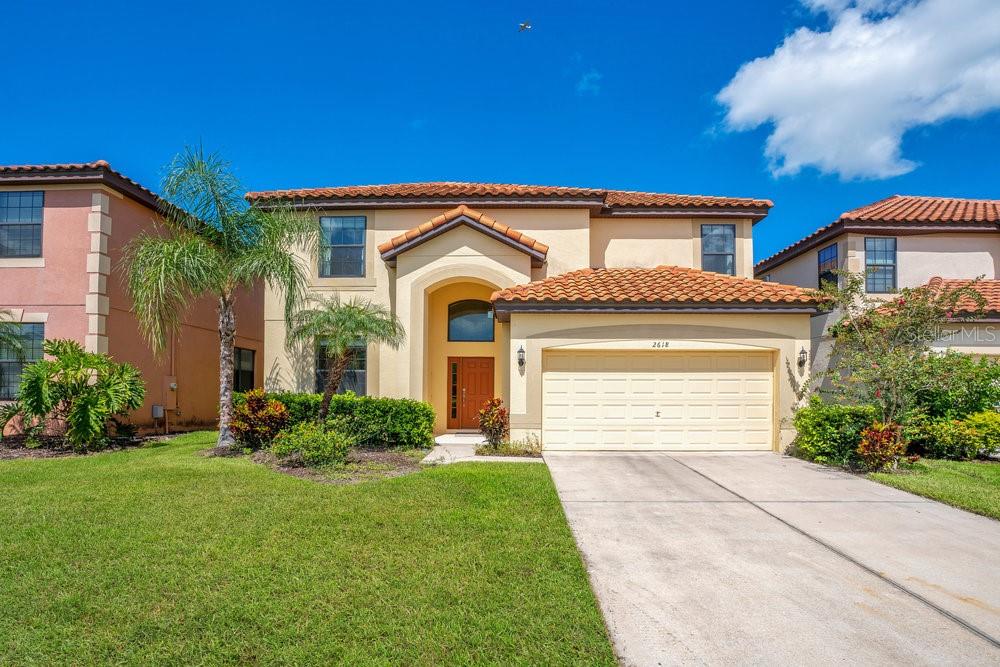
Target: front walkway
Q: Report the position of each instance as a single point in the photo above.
(460, 447)
(763, 559)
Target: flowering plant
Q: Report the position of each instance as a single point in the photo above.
(494, 422)
(881, 444)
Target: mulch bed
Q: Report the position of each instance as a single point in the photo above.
(362, 465)
(51, 447)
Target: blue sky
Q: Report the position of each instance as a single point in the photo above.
(618, 95)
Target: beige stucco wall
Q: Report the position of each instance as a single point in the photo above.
(919, 258)
(804, 269)
(784, 335)
(647, 242)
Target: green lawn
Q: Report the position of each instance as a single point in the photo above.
(971, 485)
(162, 556)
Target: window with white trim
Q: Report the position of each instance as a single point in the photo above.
(718, 248)
(21, 224)
(342, 246)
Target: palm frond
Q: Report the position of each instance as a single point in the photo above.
(343, 324)
(164, 274)
(201, 191)
(274, 236)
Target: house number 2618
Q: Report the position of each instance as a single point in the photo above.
(660, 344)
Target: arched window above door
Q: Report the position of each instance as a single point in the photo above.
(470, 320)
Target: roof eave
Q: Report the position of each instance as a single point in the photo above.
(326, 203)
(871, 227)
(537, 257)
(504, 309)
(753, 213)
(85, 176)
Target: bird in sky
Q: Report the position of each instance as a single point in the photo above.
(522, 27)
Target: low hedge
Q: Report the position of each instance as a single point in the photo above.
(374, 423)
(830, 433)
(958, 439)
(309, 444)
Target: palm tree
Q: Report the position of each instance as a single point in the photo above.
(341, 326)
(212, 244)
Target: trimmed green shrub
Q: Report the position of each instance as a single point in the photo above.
(374, 423)
(881, 444)
(384, 423)
(310, 444)
(954, 385)
(952, 439)
(987, 423)
(258, 419)
(830, 433)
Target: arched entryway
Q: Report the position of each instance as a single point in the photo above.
(465, 359)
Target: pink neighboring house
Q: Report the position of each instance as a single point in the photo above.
(62, 232)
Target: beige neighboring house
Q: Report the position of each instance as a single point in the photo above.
(604, 319)
(898, 242)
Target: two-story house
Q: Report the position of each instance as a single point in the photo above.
(898, 242)
(63, 228)
(604, 319)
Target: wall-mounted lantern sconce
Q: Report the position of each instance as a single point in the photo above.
(520, 357)
(803, 357)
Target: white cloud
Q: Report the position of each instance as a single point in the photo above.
(589, 83)
(841, 100)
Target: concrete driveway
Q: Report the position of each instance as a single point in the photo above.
(764, 559)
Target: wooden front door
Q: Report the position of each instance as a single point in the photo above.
(470, 384)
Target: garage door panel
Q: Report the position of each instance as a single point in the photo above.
(651, 401)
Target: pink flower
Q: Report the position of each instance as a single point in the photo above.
(948, 314)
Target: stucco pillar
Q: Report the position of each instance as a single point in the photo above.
(98, 269)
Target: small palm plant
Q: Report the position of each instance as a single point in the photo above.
(341, 326)
(213, 244)
(10, 334)
(80, 389)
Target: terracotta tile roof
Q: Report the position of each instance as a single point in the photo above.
(660, 285)
(608, 199)
(903, 212)
(906, 208)
(989, 289)
(456, 216)
(83, 172)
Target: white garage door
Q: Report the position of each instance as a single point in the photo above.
(657, 400)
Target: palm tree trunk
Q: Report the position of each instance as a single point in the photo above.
(227, 334)
(333, 379)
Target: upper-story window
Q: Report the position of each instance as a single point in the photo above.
(880, 265)
(21, 224)
(718, 248)
(342, 246)
(470, 320)
(827, 259)
(12, 363)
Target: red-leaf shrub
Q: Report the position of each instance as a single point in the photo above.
(494, 422)
(881, 444)
(258, 419)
